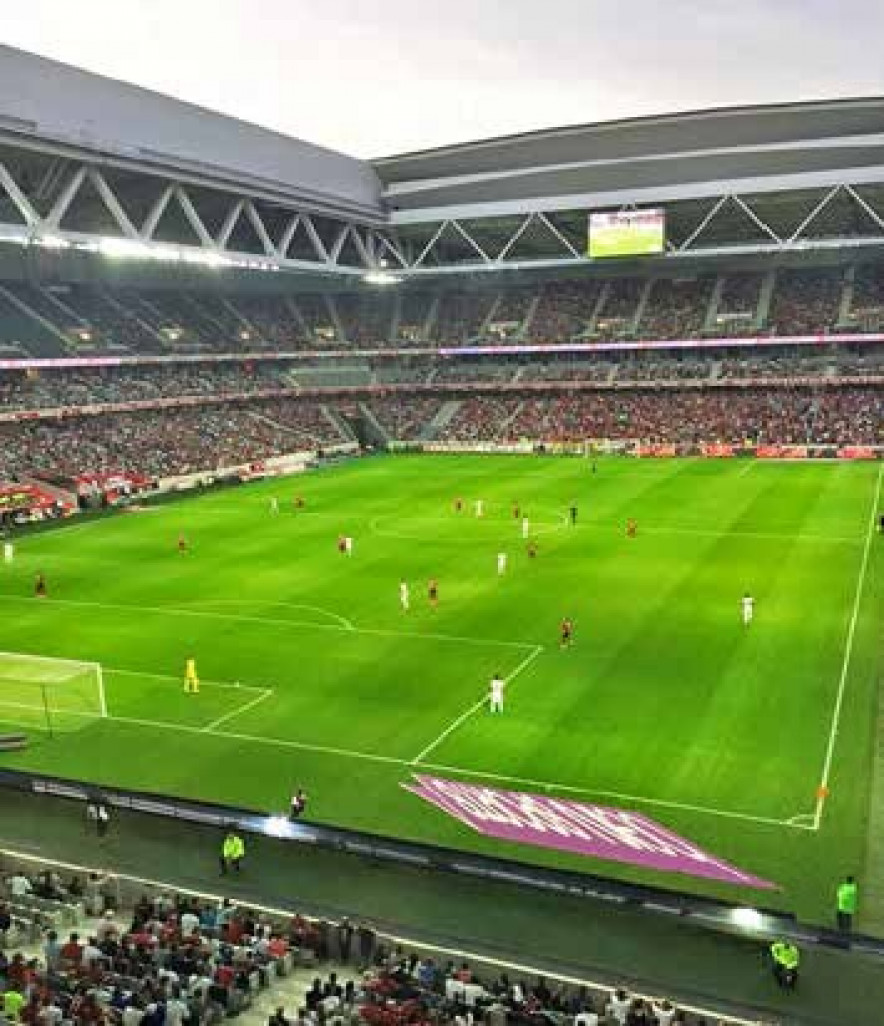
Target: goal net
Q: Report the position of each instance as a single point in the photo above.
(42, 693)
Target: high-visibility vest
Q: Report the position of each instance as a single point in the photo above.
(233, 847)
(785, 954)
(847, 897)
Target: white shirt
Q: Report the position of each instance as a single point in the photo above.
(586, 1019)
(501, 559)
(496, 689)
(403, 591)
(664, 1015)
(20, 886)
(189, 924)
(619, 1009)
(748, 603)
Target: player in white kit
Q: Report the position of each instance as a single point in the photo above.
(526, 527)
(496, 694)
(403, 596)
(348, 545)
(501, 564)
(747, 603)
(274, 505)
(480, 508)
(8, 552)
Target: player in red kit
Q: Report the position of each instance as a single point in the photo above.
(182, 543)
(458, 505)
(516, 511)
(631, 528)
(566, 633)
(40, 587)
(433, 592)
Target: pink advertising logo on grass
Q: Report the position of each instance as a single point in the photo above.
(596, 830)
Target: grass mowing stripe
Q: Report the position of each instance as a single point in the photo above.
(848, 652)
(178, 611)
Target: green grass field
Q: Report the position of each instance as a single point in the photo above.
(313, 675)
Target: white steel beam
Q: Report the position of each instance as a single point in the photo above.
(155, 213)
(66, 197)
(193, 217)
(111, 201)
(318, 245)
(21, 203)
(260, 229)
(288, 234)
(229, 224)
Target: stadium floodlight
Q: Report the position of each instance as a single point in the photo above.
(51, 241)
(277, 826)
(123, 249)
(748, 918)
(381, 278)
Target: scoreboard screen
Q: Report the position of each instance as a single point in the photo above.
(627, 233)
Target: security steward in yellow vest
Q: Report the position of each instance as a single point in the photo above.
(233, 851)
(785, 957)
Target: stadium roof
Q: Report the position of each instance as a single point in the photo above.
(49, 103)
(664, 157)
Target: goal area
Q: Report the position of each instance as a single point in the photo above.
(50, 695)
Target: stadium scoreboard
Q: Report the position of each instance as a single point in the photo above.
(626, 233)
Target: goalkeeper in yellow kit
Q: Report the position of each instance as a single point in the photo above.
(191, 680)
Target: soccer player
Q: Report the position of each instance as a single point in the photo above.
(573, 512)
(348, 545)
(342, 544)
(566, 633)
(532, 549)
(433, 592)
(191, 680)
(501, 564)
(458, 505)
(526, 527)
(182, 543)
(8, 551)
(480, 508)
(299, 502)
(403, 595)
(274, 505)
(516, 511)
(631, 527)
(747, 604)
(297, 805)
(495, 696)
(40, 589)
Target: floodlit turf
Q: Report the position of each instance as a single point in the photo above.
(313, 676)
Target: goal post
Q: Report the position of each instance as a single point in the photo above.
(42, 692)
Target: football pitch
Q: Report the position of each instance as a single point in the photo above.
(753, 742)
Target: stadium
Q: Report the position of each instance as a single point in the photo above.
(596, 411)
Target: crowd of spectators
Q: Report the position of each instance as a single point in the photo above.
(777, 415)
(97, 318)
(160, 443)
(404, 418)
(178, 960)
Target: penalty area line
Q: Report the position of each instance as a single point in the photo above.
(474, 708)
(239, 710)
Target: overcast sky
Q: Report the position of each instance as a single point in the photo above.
(375, 77)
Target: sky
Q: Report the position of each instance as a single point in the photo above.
(377, 77)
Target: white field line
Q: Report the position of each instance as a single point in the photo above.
(475, 707)
(113, 672)
(848, 652)
(536, 527)
(206, 614)
(304, 746)
(617, 795)
(342, 620)
(244, 708)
